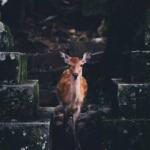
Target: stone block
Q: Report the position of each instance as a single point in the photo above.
(136, 66)
(19, 102)
(6, 38)
(46, 114)
(25, 136)
(13, 67)
(126, 134)
(134, 100)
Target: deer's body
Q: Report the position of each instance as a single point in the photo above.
(72, 89)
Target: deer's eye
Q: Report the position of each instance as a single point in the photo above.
(81, 65)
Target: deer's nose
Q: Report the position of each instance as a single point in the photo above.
(75, 75)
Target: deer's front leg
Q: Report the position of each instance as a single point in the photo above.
(66, 118)
(76, 115)
(65, 121)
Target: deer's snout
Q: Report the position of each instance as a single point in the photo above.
(75, 75)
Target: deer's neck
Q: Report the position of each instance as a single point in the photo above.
(75, 88)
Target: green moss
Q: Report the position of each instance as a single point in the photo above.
(23, 66)
(36, 99)
(11, 40)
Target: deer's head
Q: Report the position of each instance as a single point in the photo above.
(75, 64)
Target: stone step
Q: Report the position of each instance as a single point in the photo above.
(25, 135)
(19, 102)
(13, 67)
(34, 135)
(136, 66)
(133, 99)
(45, 114)
(131, 134)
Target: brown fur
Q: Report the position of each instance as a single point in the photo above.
(63, 87)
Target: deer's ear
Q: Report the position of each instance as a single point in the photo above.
(86, 57)
(65, 57)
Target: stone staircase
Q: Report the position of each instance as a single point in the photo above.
(23, 124)
(132, 130)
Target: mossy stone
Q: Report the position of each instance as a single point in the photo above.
(133, 99)
(25, 135)
(13, 67)
(6, 38)
(19, 102)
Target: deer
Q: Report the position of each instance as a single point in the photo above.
(72, 89)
